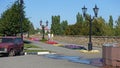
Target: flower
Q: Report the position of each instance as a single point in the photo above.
(51, 42)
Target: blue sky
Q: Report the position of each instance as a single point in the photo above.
(37, 10)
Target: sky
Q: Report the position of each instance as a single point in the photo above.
(37, 10)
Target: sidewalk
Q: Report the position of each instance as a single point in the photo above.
(69, 52)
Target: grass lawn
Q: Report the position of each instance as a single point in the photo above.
(27, 46)
(43, 40)
(37, 51)
(30, 46)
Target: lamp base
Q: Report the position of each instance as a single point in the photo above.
(89, 46)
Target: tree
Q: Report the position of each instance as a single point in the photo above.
(64, 25)
(111, 22)
(78, 25)
(98, 26)
(109, 27)
(117, 27)
(85, 26)
(30, 29)
(70, 30)
(79, 18)
(10, 20)
(55, 26)
(38, 30)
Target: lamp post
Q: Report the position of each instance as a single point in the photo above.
(43, 28)
(84, 9)
(21, 17)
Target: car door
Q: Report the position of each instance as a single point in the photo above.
(19, 43)
(16, 44)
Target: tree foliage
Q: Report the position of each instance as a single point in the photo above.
(10, 20)
(55, 26)
(64, 25)
(117, 27)
(111, 22)
(81, 27)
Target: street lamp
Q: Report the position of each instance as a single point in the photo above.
(21, 17)
(84, 9)
(43, 28)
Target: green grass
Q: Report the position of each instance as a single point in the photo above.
(37, 51)
(30, 46)
(27, 46)
(43, 40)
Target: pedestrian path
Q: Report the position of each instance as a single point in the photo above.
(69, 52)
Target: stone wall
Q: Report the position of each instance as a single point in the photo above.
(82, 40)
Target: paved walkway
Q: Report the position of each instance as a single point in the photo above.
(70, 52)
(34, 61)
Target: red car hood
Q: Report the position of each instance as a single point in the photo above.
(5, 44)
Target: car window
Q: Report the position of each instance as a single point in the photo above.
(18, 40)
(0, 40)
(7, 40)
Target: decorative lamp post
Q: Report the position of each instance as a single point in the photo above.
(43, 28)
(84, 9)
(21, 17)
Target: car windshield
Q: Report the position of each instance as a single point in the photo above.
(6, 40)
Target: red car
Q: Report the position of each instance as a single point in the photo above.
(11, 46)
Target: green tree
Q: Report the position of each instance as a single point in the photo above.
(117, 27)
(108, 31)
(111, 22)
(85, 26)
(79, 18)
(78, 25)
(109, 27)
(10, 20)
(98, 26)
(37, 30)
(70, 30)
(64, 25)
(30, 29)
(55, 26)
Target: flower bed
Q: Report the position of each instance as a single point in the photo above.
(60, 45)
(73, 46)
(35, 39)
(51, 42)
